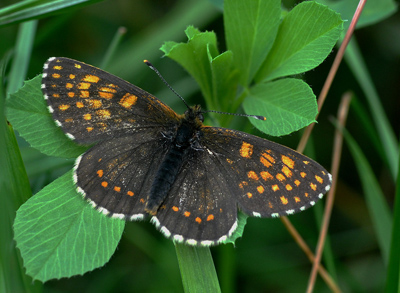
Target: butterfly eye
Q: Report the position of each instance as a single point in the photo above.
(201, 117)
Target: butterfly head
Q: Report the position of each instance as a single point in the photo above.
(194, 115)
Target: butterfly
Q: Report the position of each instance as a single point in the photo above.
(148, 161)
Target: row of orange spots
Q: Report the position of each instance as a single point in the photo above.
(187, 214)
(246, 150)
(100, 173)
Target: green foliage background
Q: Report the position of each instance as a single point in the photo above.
(266, 258)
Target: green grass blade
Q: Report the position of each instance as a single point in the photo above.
(377, 206)
(22, 55)
(197, 269)
(393, 272)
(15, 190)
(388, 138)
(30, 9)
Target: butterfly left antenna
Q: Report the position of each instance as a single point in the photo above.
(164, 81)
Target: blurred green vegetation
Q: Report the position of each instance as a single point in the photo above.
(266, 259)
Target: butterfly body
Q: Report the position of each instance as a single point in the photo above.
(183, 141)
(146, 160)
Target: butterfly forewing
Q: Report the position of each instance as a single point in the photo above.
(92, 105)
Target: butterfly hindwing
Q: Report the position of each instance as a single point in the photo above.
(266, 178)
(198, 209)
(116, 175)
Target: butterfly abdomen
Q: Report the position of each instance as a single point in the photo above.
(169, 168)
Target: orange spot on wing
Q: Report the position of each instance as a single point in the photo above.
(297, 199)
(249, 194)
(63, 107)
(104, 183)
(87, 116)
(210, 217)
(79, 104)
(266, 175)
(198, 220)
(83, 86)
(303, 174)
(56, 75)
(287, 172)
(252, 175)
(275, 187)
(84, 94)
(103, 113)
(284, 200)
(319, 179)
(280, 177)
(91, 78)
(288, 161)
(117, 188)
(313, 186)
(288, 187)
(186, 214)
(130, 193)
(100, 173)
(106, 95)
(175, 209)
(71, 94)
(260, 189)
(128, 100)
(246, 150)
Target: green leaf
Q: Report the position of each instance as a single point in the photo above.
(197, 269)
(305, 38)
(242, 221)
(60, 235)
(377, 206)
(250, 27)
(30, 9)
(289, 103)
(194, 57)
(373, 12)
(224, 78)
(27, 111)
(393, 272)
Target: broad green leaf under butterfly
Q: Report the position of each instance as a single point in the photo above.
(35, 124)
(60, 235)
(290, 104)
(305, 38)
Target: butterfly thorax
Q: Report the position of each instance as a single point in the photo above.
(184, 139)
